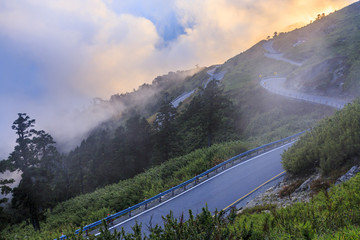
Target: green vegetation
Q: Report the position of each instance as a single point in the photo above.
(106, 157)
(334, 142)
(37, 158)
(87, 208)
(265, 117)
(209, 118)
(331, 214)
(136, 154)
(328, 48)
(109, 156)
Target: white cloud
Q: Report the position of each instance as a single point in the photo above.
(94, 48)
(86, 42)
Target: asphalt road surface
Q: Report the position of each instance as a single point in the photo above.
(217, 193)
(272, 53)
(213, 76)
(277, 85)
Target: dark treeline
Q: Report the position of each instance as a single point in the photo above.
(106, 157)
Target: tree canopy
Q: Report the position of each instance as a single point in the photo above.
(108, 156)
(36, 158)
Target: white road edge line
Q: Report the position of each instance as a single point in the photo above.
(251, 159)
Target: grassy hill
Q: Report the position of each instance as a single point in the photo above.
(259, 117)
(333, 213)
(328, 49)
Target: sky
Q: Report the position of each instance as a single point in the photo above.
(56, 56)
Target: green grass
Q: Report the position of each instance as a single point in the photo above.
(333, 37)
(246, 68)
(331, 214)
(265, 117)
(87, 208)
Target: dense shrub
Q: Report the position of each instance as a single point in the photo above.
(87, 208)
(330, 215)
(328, 146)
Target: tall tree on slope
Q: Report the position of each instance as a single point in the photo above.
(165, 136)
(209, 117)
(36, 157)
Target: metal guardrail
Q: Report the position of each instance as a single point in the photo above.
(190, 183)
(305, 97)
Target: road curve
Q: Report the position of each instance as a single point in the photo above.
(272, 53)
(217, 192)
(277, 84)
(213, 76)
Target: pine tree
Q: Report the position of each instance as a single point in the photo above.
(36, 157)
(166, 136)
(209, 117)
(138, 144)
(216, 109)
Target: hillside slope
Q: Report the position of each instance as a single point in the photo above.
(329, 48)
(258, 116)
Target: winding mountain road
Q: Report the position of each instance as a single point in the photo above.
(217, 192)
(272, 53)
(213, 76)
(277, 84)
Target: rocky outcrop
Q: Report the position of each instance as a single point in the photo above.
(351, 173)
(306, 185)
(273, 194)
(303, 193)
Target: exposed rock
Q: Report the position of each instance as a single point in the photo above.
(306, 185)
(272, 196)
(301, 194)
(324, 78)
(351, 173)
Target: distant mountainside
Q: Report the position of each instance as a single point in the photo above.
(146, 98)
(327, 50)
(330, 51)
(110, 114)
